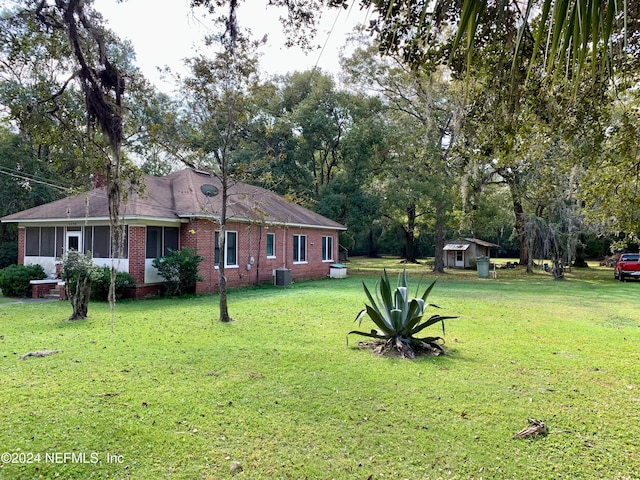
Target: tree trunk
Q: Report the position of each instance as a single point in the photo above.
(557, 269)
(79, 298)
(409, 235)
(222, 245)
(520, 220)
(373, 248)
(438, 265)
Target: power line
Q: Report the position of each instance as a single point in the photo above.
(24, 176)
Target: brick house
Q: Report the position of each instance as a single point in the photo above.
(265, 232)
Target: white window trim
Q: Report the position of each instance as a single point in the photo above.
(237, 265)
(329, 251)
(270, 257)
(306, 253)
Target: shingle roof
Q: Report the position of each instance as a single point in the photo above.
(179, 195)
(459, 245)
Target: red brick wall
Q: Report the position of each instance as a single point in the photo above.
(188, 237)
(141, 292)
(253, 265)
(137, 252)
(204, 232)
(21, 240)
(315, 267)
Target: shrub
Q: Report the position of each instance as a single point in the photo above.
(14, 279)
(473, 263)
(180, 269)
(399, 319)
(102, 281)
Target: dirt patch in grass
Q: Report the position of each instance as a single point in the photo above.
(398, 349)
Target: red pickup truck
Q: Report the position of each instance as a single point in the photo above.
(627, 266)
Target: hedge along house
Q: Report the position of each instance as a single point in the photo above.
(458, 253)
(265, 232)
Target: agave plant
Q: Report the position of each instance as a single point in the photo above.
(399, 319)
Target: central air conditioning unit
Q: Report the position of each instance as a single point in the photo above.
(282, 277)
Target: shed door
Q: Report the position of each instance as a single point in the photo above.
(460, 259)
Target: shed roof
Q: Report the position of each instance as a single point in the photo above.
(461, 245)
(456, 247)
(180, 195)
(483, 243)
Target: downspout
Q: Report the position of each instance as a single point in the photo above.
(259, 253)
(284, 246)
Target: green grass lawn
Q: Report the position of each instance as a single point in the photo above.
(172, 393)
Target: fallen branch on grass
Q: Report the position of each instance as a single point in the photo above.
(41, 353)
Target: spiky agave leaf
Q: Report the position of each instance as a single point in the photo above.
(429, 322)
(371, 334)
(381, 313)
(427, 291)
(416, 312)
(397, 321)
(385, 291)
(402, 304)
(384, 327)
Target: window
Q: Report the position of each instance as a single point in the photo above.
(32, 242)
(299, 248)
(231, 246)
(44, 241)
(101, 241)
(97, 240)
(327, 249)
(47, 241)
(160, 240)
(171, 239)
(271, 245)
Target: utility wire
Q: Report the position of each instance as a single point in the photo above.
(25, 177)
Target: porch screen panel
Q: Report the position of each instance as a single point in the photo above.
(171, 239)
(47, 241)
(101, 241)
(88, 240)
(59, 241)
(154, 242)
(125, 245)
(32, 241)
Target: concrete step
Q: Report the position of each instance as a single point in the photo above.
(54, 293)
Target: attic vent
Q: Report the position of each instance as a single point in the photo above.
(209, 190)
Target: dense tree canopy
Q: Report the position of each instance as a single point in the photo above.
(465, 119)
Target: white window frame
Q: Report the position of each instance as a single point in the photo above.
(299, 250)
(327, 248)
(77, 234)
(273, 244)
(226, 243)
